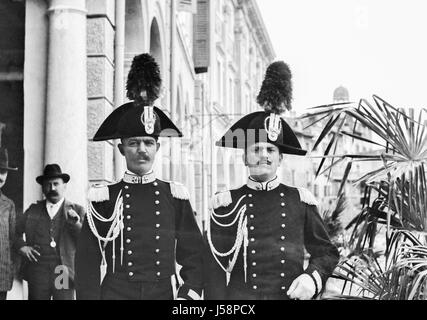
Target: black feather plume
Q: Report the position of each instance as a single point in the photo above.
(144, 75)
(276, 90)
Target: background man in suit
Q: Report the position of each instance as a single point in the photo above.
(51, 229)
(7, 229)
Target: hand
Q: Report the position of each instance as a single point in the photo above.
(302, 288)
(30, 253)
(73, 216)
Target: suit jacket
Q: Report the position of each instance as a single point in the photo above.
(69, 232)
(7, 230)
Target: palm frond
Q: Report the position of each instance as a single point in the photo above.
(403, 277)
(405, 151)
(332, 218)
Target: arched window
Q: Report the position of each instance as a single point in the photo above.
(156, 50)
(134, 34)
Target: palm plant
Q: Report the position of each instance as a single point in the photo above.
(398, 190)
(332, 219)
(402, 158)
(403, 276)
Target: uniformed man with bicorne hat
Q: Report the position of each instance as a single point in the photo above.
(257, 233)
(137, 229)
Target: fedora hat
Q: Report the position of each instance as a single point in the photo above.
(52, 171)
(4, 160)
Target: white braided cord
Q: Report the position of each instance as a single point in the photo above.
(99, 217)
(224, 225)
(116, 219)
(236, 253)
(241, 238)
(231, 212)
(116, 229)
(236, 244)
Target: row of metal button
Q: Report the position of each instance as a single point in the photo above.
(129, 217)
(282, 249)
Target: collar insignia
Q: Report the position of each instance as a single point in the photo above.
(263, 186)
(135, 179)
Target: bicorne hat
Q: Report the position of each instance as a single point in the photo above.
(4, 160)
(267, 126)
(139, 117)
(52, 171)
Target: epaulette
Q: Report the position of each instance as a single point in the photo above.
(307, 197)
(221, 199)
(98, 193)
(179, 191)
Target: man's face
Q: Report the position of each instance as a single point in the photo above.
(54, 189)
(3, 177)
(263, 160)
(140, 153)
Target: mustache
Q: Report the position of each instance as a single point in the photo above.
(144, 157)
(264, 161)
(52, 193)
(257, 163)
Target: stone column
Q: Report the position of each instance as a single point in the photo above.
(119, 80)
(173, 79)
(66, 108)
(100, 69)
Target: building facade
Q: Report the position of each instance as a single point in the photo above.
(63, 68)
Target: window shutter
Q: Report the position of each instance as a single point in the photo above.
(187, 5)
(201, 27)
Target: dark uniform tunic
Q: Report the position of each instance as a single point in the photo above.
(279, 227)
(159, 230)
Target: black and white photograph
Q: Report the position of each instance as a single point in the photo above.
(231, 151)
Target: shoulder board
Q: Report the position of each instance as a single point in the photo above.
(221, 199)
(179, 191)
(98, 193)
(307, 197)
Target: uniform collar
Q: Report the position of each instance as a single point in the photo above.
(266, 186)
(132, 178)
